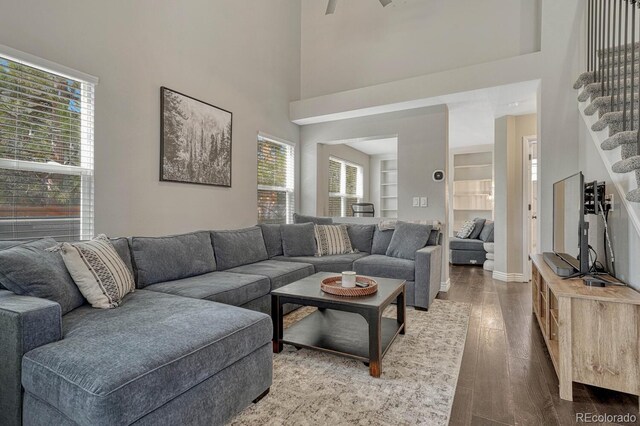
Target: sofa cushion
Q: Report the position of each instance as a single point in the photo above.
(298, 239)
(160, 259)
(487, 232)
(30, 270)
(224, 287)
(332, 240)
(434, 236)
(298, 218)
(477, 229)
(381, 266)
(336, 263)
(381, 240)
(407, 239)
(272, 239)
(238, 247)
(465, 244)
(121, 245)
(279, 273)
(98, 270)
(115, 366)
(361, 236)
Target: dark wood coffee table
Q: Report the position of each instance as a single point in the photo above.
(347, 326)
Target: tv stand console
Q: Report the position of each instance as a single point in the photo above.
(592, 333)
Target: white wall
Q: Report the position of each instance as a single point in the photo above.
(364, 44)
(241, 55)
(344, 152)
(422, 148)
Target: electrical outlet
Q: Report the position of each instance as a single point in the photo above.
(610, 201)
(423, 202)
(416, 201)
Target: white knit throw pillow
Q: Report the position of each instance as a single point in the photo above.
(466, 229)
(332, 239)
(101, 275)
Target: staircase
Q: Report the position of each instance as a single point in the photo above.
(610, 88)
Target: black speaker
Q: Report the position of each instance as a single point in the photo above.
(438, 175)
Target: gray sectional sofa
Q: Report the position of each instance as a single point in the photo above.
(192, 344)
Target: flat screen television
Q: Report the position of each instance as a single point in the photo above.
(570, 230)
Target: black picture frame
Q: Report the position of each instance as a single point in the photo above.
(212, 148)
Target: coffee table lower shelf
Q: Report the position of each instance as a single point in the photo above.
(340, 333)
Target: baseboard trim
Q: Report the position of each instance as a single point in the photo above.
(445, 285)
(509, 278)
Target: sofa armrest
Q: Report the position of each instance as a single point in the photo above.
(428, 273)
(25, 323)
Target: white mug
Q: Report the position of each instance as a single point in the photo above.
(348, 279)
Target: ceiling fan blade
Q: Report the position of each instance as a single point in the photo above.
(331, 7)
(384, 3)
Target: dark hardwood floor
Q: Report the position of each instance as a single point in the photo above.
(506, 375)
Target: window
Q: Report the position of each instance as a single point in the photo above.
(276, 176)
(345, 186)
(46, 152)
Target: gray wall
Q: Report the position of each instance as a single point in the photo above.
(624, 237)
(509, 247)
(241, 55)
(346, 153)
(422, 148)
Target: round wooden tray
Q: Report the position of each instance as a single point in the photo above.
(333, 285)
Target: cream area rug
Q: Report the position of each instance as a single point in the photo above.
(417, 386)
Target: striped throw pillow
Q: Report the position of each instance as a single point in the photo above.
(466, 229)
(332, 239)
(99, 272)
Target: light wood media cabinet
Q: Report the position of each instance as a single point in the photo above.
(592, 333)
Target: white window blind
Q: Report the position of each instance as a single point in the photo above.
(346, 186)
(276, 181)
(46, 153)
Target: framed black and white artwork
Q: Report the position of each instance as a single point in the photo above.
(195, 144)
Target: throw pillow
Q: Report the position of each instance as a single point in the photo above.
(407, 239)
(332, 239)
(298, 218)
(99, 272)
(381, 240)
(487, 232)
(361, 237)
(298, 239)
(466, 229)
(30, 270)
(479, 224)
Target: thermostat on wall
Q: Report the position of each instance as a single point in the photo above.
(438, 175)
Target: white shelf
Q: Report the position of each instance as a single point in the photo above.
(473, 166)
(388, 184)
(389, 196)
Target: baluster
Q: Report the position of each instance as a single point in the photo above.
(626, 47)
(612, 51)
(601, 46)
(608, 47)
(619, 49)
(633, 58)
(589, 34)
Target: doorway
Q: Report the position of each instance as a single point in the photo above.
(530, 200)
